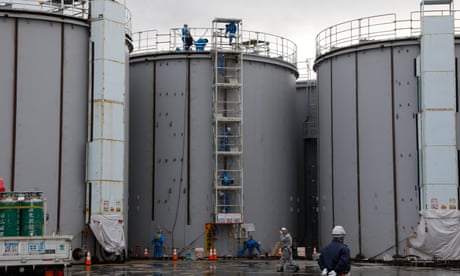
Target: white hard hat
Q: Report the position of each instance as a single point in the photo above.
(338, 232)
(283, 230)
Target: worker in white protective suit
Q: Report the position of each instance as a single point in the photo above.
(286, 251)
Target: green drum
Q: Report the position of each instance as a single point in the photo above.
(32, 217)
(9, 217)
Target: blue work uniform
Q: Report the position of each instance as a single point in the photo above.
(158, 241)
(251, 244)
(187, 39)
(231, 30)
(335, 256)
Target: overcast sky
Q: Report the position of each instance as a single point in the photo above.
(296, 20)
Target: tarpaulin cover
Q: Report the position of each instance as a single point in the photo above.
(437, 235)
(108, 230)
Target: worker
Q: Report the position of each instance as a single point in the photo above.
(223, 195)
(224, 142)
(335, 257)
(230, 29)
(187, 39)
(250, 245)
(286, 251)
(158, 241)
(200, 43)
(224, 200)
(221, 64)
(226, 179)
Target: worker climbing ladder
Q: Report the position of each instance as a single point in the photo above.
(227, 121)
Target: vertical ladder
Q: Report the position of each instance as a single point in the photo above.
(227, 123)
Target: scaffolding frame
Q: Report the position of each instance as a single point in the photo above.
(227, 121)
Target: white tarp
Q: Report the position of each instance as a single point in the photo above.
(437, 235)
(109, 232)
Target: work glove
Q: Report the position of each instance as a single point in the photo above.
(324, 272)
(332, 273)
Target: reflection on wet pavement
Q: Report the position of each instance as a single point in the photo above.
(242, 267)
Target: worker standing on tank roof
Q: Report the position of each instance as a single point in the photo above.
(187, 38)
(335, 257)
(286, 251)
(230, 29)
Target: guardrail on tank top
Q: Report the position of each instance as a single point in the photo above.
(374, 29)
(250, 42)
(73, 8)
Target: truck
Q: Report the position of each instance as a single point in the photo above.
(24, 249)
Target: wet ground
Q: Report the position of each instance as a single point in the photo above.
(246, 267)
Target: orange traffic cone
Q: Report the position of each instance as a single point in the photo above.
(88, 258)
(211, 254)
(314, 253)
(279, 252)
(215, 254)
(146, 252)
(174, 256)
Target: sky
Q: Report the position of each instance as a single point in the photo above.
(297, 20)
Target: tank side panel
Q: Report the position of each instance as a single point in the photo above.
(141, 154)
(325, 151)
(457, 82)
(170, 146)
(74, 129)
(375, 150)
(37, 140)
(7, 72)
(270, 151)
(406, 107)
(300, 108)
(345, 178)
(201, 141)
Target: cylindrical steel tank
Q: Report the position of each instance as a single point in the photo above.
(368, 165)
(43, 110)
(171, 150)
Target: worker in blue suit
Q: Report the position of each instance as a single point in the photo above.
(335, 257)
(187, 38)
(158, 241)
(230, 29)
(226, 179)
(250, 245)
(224, 142)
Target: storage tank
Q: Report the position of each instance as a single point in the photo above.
(368, 158)
(43, 108)
(45, 74)
(171, 142)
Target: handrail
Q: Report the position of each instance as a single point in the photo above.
(369, 29)
(72, 8)
(250, 42)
